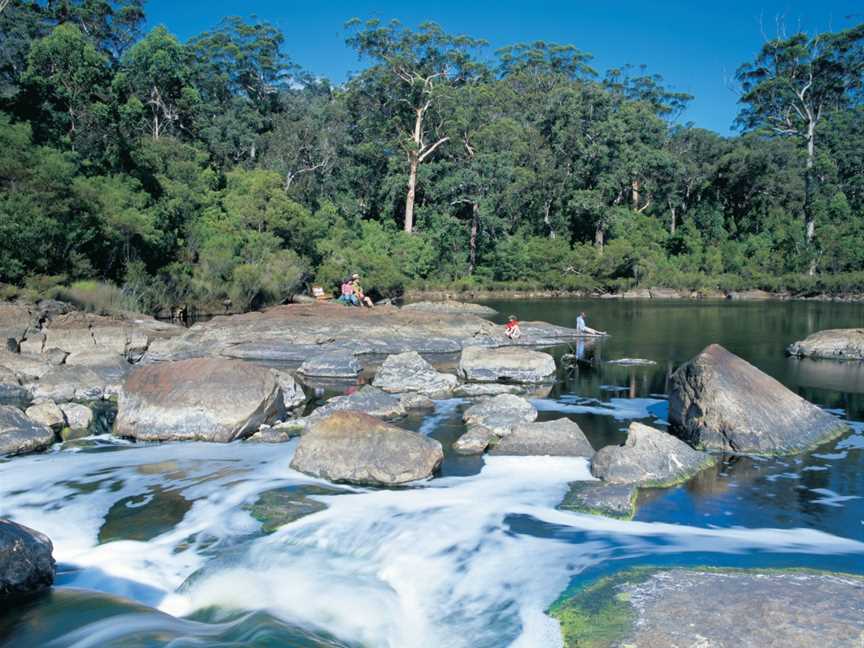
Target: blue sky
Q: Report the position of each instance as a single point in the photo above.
(695, 46)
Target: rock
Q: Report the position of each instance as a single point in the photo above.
(600, 498)
(664, 293)
(281, 506)
(47, 413)
(631, 362)
(337, 363)
(18, 434)
(292, 393)
(78, 417)
(558, 438)
(718, 608)
(26, 561)
(834, 344)
(11, 391)
(26, 366)
(357, 448)
(749, 295)
(474, 441)
(408, 371)
(718, 401)
(500, 413)
(450, 307)
(649, 457)
(368, 399)
(16, 321)
(508, 364)
(413, 400)
(303, 299)
(64, 383)
(205, 399)
(267, 434)
(95, 358)
(637, 293)
(473, 390)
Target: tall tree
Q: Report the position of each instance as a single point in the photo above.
(415, 66)
(793, 84)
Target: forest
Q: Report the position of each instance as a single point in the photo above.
(150, 172)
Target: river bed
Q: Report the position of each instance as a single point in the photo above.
(162, 544)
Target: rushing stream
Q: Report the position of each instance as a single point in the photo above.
(162, 545)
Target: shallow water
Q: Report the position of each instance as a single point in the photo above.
(159, 544)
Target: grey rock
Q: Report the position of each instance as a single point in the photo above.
(507, 364)
(414, 401)
(719, 401)
(450, 307)
(26, 366)
(648, 457)
(559, 438)
(47, 413)
(26, 561)
(65, 383)
(205, 399)
(600, 498)
(357, 448)
(664, 293)
(833, 344)
(264, 350)
(11, 391)
(368, 399)
(475, 441)
(292, 393)
(500, 413)
(408, 371)
(273, 435)
(281, 506)
(78, 417)
(474, 390)
(18, 434)
(337, 363)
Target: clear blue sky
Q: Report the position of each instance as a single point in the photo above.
(696, 46)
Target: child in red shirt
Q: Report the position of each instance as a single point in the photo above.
(511, 328)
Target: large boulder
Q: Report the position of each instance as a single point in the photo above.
(26, 563)
(408, 371)
(506, 364)
(719, 401)
(26, 366)
(834, 344)
(16, 320)
(65, 383)
(47, 413)
(368, 399)
(78, 417)
(559, 438)
(18, 434)
(649, 457)
(357, 448)
(203, 399)
(336, 363)
(490, 420)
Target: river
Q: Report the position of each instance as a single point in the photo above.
(159, 545)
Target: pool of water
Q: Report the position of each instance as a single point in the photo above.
(163, 545)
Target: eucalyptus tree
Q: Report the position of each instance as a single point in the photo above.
(416, 68)
(793, 84)
(112, 26)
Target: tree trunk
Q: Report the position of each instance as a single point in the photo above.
(409, 199)
(547, 207)
(809, 216)
(635, 195)
(599, 237)
(672, 223)
(472, 242)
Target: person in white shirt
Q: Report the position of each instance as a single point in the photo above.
(584, 329)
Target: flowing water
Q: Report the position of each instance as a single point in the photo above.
(163, 545)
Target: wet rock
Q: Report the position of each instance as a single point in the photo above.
(507, 364)
(500, 413)
(368, 399)
(357, 448)
(144, 516)
(474, 390)
(267, 434)
(409, 372)
(18, 434)
(450, 307)
(47, 413)
(833, 344)
(337, 363)
(26, 561)
(719, 401)
(475, 441)
(204, 399)
(292, 393)
(558, 438)
(276, 508)
(649, 457)
(600, 498)
(79, 419)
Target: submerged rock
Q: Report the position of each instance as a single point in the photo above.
(357, 448)
(719, 401)
(833, 344)
(276, 508)
(559, 438)
(409, 372)
(18, 434)
(26, 561)
(368, 399)
(337, 363)
(507, 364)
(600, 498)
(204, 399)
(649, 457)
(720, 609)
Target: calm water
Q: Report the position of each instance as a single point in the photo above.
(159, 544)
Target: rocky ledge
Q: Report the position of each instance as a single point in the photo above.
(26, 563)
(832, 344)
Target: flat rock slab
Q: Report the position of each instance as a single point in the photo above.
(449, 307)
(331, 364)
(357, 448)
(559, 438)
(12, 392)
(203, 399)
(26, 561)
(500, 413)
(600, 498)
(506, 364)
(19, 434)
(367, 399)
(833, 344)
(649, 457)
(719, 401)
(26, 366)
(409, 372)
(65, 383)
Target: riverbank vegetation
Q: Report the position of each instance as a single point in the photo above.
(216, 169)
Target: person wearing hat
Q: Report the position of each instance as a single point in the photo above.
(359, 295)
(511, 328)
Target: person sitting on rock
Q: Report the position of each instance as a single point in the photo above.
(511, 328)
(360, 298)
(584, 329)
(347, 293)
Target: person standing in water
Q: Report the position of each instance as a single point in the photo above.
(584, 329)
